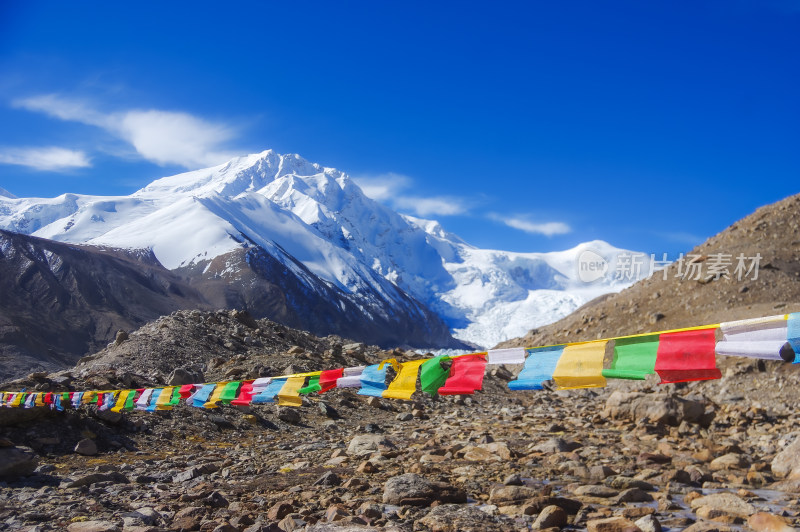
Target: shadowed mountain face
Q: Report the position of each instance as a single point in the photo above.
(770, 287)
(60, 301)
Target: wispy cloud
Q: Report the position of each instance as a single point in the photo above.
(162, 137)
(50, 158)
(682, 238)
(526, 225)
(389, 188)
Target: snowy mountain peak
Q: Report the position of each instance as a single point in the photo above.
(305, 214)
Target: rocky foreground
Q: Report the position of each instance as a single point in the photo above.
(723, 455)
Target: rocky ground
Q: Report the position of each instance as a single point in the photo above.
(723, 455)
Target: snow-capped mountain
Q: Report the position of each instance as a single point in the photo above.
(320, 226)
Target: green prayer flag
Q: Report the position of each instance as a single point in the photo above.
(129, 404)
(176, 397)
(634, 358)
(432, 375)
(312, 386)
(228, 392)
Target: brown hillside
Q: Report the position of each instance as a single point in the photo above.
(656, 304)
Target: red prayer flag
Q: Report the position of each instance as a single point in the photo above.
(466, 375)
(245, 394)
(687, 356)
(328, 378)
(186, 390)
(48, 398)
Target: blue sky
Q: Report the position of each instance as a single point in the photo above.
(529, 126)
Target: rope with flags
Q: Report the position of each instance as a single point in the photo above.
(677, 355)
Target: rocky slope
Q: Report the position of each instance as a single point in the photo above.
(699, 458)
(61, 301)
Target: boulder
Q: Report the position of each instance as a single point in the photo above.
(366, 444)
(787, 462)
(414, 490)
(457, 518)
(551, 516)
(657, 408)
(17, 462)
(725, 502)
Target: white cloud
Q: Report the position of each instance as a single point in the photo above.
(162, 137)
(382, 187)
(523, 224)
(436, 206)
(50, 158)
(387, 188)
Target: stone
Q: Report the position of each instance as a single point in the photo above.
(336, 513)
(366, 444)
(648, 523)
(787, 462)
(728, 461)
(120, 337)
(87, 480)
(764, 522)
(109, 416)
(279, 510)
(595, 491)
(328, 479)
(726, 502)
(556, 445)
(216, 500)
(550, 516)
(514, 479)
(611, 524)
(457, 518)
(17, 462)
(289, 415)
(86, 447)
(181, 376)
(633, 495)
(328, 411)
(92, 526)
(505, 495)
(404, 416)
(414, 490)
(656, 408)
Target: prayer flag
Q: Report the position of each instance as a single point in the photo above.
(121, 400)
(267, 395)
(152, 406)
(432, 375)
(373, 381)
(312, 386)
(165, 399)
(186, 391)
(757, 338)
(289, 394)
(216, 395)
(245, 395)
(200, 397)
(466, 375)
(351, 377)
(581, 366)
(539, 367)
(405, 383)
(328, 379)
(634, 358)
(687, 356)
(513, 355)
(793, 335)
(230, 392)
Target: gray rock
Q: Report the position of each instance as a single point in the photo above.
(657, 408)
(17, 462)
(648, 523)
(366, 444)
(457, 518)
(726, 502)
(411, 489)
(514, 479)
(289, 415)
(596, 491)
(87, 480)
(181, 376)
(787, 462)
(557, 445)
(328, 411)
(86, 447)
(93, 526)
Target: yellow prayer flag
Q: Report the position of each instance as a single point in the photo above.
(215, 396)
(581, 366)
(290, 392)
(17, 400)
(405, 383)
(163, 401)
(123, 396)
(39, 401)
(88, 397)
